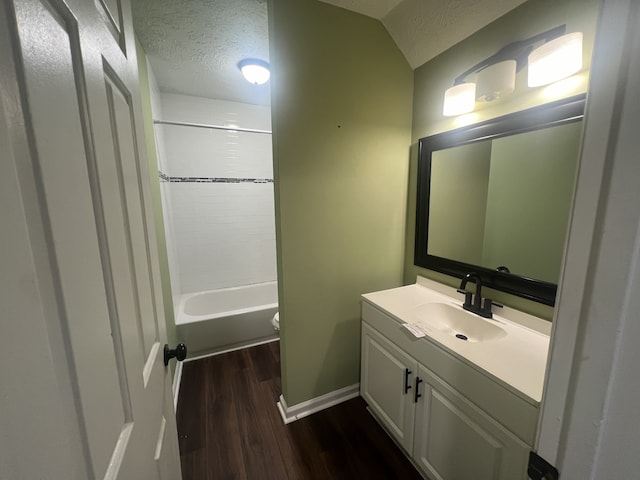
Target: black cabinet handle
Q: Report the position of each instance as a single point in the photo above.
(417, 395)
(407, 372)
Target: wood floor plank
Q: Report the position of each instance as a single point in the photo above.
(262, 362)
(191, 431)
(260, 450)
(230, 428)
(193, 463)
(224, 441)
(369, 445)
(303, 440)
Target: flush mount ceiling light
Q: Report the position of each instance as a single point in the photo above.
(558, 57)
(254, 70)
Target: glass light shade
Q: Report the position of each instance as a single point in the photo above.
(459, 99)
(496, 80)
(255, 71)
(555, 60)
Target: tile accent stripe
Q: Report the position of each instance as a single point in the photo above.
(166, 178)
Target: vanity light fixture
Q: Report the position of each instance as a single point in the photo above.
(254, 70)
(550, 55)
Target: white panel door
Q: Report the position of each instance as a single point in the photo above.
(80, 273)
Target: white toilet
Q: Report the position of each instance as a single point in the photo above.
(275, 321)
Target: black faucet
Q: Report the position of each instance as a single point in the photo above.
(476, 306)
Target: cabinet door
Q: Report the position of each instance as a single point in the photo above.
(455, 440)
(387, 386)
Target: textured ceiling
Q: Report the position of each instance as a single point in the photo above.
(194, 46)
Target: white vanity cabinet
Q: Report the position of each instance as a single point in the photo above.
(454, 439)
(386, 384)
(462, 425)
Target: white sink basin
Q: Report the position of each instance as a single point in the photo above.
(457, 322)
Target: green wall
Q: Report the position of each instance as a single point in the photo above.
(435, 76)
(341, 114)
(145, 96)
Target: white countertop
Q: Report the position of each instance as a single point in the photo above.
(517, 360)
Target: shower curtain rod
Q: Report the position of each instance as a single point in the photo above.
(212, 127)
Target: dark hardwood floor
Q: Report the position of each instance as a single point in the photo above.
(230, 428)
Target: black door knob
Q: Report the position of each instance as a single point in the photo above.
(180, 353)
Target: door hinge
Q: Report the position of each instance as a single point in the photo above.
(540, 469)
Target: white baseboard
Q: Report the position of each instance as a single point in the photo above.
(177, 378)
(296, 412)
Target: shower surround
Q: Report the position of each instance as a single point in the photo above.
(217, 194)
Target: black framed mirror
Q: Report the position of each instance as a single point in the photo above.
(495, 198)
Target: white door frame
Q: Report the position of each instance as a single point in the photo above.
(596, 291)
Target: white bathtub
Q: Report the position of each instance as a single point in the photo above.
(217, 320)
